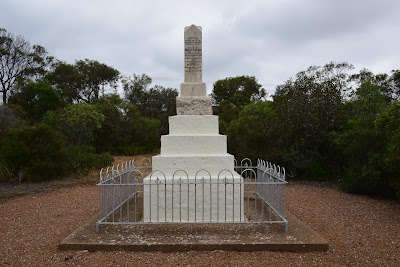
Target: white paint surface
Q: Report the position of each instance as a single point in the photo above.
(193, 125)
(193, 163)
(213, 201)
(193, 145)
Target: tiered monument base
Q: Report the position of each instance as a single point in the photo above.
(193, 178)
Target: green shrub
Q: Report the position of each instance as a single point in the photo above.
(364, 182)
(37, 153)
(77, 122)
(317, 171)
(33, 100)
(396, 187)
(33, 154)
(6, 173)
(83, 159)
(136, 149)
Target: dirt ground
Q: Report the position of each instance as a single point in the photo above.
(361, 231)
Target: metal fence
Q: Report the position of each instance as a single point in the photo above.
(133, 193)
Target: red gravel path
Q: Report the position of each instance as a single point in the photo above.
(361, 232)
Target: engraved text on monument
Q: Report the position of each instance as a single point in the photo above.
(193, 59)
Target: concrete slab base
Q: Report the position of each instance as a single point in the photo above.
(200, 237)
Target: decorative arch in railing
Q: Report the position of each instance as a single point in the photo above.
(179, 173)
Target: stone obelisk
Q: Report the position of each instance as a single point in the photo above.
(193, 99)
(193, 153)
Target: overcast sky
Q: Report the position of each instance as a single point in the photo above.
(269, 39)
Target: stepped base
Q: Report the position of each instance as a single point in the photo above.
(193, 125)
(191, 164)
(193, 144)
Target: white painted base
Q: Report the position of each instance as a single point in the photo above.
(192, 163)
(192, 151)
(167, 200)
(193, 144)
(193, 124)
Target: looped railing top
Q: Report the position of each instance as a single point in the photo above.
(156, 177)
(116, 170)
(129, 167)
(225, 179)
(245, 168)
(198, 174)
(180, 181)
(248, 174)
(272, 169)
(109, 175)
(246, 162)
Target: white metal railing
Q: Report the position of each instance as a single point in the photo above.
(251, 194)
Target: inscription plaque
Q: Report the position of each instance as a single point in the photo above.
(193, 54)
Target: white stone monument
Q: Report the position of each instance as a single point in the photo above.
(193, 99)
(193, 176)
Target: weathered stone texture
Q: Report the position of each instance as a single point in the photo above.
(193, 89)
(193, 105)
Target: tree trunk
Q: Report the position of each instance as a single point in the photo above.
(4, 97)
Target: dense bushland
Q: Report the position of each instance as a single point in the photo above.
(325, 124)
(58, 119)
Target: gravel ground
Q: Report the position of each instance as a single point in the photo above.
(361, 231)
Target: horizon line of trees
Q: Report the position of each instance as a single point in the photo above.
(324, 124)
(58, 119)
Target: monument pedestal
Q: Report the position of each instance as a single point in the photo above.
(182, 198)
(193, 178)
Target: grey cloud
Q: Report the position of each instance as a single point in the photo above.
(272, 40)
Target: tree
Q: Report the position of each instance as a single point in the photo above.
(232, 94)
(135, 87)
(141, 134)
(19, 60)
(239, 91)
(157, 102)
(35, 99)
(395, 84)
(39, 152)
(252, 134)
(67, 82)
(8, 120)
(111, 133)
(388, 126)
(84, 81)
(33, 153)
(310, 112)
(389, 85)
(77, 122)
(125, 130)
(96, 76)
(361, 142)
